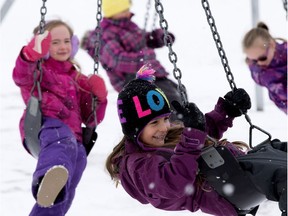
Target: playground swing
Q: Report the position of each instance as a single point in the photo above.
(216, 163)
(33, 116)
(285, 7)
(89, 134)
(147, 16)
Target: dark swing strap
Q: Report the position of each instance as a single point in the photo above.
(89, 133)
(172, 55)
(224, 60)
(285, 7)
(33, 116)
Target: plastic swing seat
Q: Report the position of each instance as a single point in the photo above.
(32, 126)
(223, 172)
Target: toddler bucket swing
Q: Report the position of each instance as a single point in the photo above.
(218, 165)
(33, 117)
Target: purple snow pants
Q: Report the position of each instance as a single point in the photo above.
(58, 146)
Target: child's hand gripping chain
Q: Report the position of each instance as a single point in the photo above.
(38, 47)
(98, 87)
(237, 102)
(190, 115)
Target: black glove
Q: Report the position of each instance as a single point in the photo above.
(156, 39)
(237, 102)
(190, 115)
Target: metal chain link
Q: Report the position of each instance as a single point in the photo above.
(147, 14)
(98, 31)
(43, 11)
(38, 73)
(154, 20)
(172, 55)
(96, 56)
(219, 45)
(148, 6)
(285, 5)
(224, 61)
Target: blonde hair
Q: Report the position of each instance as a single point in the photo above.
(260, 31)
(53, 24)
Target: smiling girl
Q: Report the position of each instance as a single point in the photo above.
(66, 104)
(156, 162)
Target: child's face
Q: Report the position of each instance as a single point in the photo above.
(260, 53)
(60, 47)
(154, 133)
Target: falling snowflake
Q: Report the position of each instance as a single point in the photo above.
(228, 189)
(151, 186)
(189, 189)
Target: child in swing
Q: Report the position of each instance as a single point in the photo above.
(156, 161)
(125, 48)
(66, 104)
(267, 61)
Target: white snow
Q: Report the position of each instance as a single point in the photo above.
(203, 76)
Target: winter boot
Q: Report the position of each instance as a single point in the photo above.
(51, 185)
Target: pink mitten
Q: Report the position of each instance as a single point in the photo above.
(98, 87)
(38, 47)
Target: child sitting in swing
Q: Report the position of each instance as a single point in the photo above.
(125, 47)
(267, 61)
(66, 104)
(156, 162)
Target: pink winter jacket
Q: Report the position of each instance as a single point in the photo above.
(66, 94)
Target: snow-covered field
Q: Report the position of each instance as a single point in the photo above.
(203, 76)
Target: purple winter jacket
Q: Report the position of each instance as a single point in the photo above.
(166, 178)
(124, 50)
(274, 76)
(66, 94)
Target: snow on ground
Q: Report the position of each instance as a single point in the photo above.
(203, 77)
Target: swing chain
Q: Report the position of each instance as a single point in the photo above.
(154, 20)
(98, 37)
(38, 78)
(172, 55)
(96, 56)
(256, 127)
(224, 61)
(43, 11)
(147, 14)
(285, 5)
(148, 6)
(219, 45)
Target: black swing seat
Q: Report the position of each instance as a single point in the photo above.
(223, 172)
(32, 126)
(89, 138)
